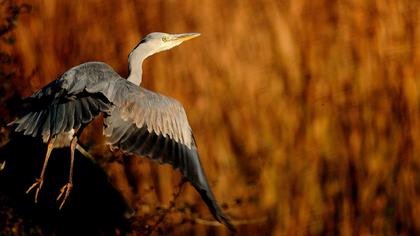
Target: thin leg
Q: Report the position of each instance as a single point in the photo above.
(38, 183)
(65, 190)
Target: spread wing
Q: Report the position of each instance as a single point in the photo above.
(137, 121)
(152, 125)
(74, 99)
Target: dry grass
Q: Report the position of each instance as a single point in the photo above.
(306, 113)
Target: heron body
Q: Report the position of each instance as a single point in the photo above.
(136, 120)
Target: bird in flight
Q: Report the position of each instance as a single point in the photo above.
(136, 120)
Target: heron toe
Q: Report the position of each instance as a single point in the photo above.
(38, 184)
(65, 191)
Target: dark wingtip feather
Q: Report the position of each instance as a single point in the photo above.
(226, 221)
(215, 210)
(132, 139)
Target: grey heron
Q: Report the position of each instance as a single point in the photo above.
(136, 120)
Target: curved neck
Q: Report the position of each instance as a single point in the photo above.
(135, 61)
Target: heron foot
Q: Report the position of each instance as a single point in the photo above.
(38, 184)
(64, 192)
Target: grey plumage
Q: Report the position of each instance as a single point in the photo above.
(137, 121)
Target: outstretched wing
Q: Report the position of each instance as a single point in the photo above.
(137, 120)
(74, 99)
(156, 126)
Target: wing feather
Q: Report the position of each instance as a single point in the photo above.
(75, 98)
(60, 121)
(141, 141)
(46, 125)
(125, 139)
(27, 123)
(34, 128)
(86, 114)
(165, 136)
(78, 115)
(160, 114)
(70, 117)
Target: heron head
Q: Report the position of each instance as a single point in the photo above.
(158, 42)
(149, 45)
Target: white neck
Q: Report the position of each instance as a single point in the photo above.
(135, 61)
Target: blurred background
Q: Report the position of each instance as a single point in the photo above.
(306, 113)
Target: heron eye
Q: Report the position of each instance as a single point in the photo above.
(164, 39)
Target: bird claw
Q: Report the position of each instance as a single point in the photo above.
(65, 191)
(38, 183)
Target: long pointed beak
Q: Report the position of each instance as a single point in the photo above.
(185, 37)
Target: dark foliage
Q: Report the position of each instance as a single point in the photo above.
(93, 208)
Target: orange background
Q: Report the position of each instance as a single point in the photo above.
(306, 113)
